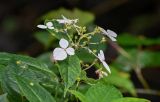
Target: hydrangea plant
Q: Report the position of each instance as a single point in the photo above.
(26, 79)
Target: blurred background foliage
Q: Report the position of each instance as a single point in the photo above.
(135, 21)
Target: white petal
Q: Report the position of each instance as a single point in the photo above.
(111, 33)
(70, 51)
(112, 38)
(51, 27)
(49, 24)
(99, 57)
(61, 21)
(59, 54)
(102, 55)
(63, 43)
(106, 66)
(42, 26)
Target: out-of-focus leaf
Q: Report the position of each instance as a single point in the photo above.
(3, 98)
(44, 37)
(84, 17)
(128, 99)
(129, 40)
(33, 91)
(102, 93)
(120, 82)
(70, 70)
(141, 59)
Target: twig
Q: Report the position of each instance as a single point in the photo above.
(148, 91)
(141, 78)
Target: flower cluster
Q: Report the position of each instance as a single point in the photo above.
(67, 48)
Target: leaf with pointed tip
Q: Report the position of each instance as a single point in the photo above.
(26, 60)
(70, 70)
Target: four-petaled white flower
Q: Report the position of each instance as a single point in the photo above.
(67, 21)
(61, 53)
(48, 25)
(101, 57)
(111, 34)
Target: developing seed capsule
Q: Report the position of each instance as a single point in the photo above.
(94, 50)
(103, 40)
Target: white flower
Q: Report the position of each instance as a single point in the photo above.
(67, 21)
(101, 57)
(48, 25)
(111, 34)
(61, 53)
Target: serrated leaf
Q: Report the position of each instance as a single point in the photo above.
(127, 99)
(102, 93)
(9, 87)
(28, 61)
(70, 70)
(3, 98)
(79, 95)
(33, 91)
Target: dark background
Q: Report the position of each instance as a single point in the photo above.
(17, 18)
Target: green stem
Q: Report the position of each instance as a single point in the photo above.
(93, 63)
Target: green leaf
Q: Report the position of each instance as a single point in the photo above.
(33, 91)
(2, 69)
(45, 58)
(130, 40)
(9, 87)
(3, 98)
(45, 38)
(102, 93)
(84, 17)
(138, 58)
(127, 99)
(26, 61)
(120, 82)
(79, 95)
(70, 70)
(84, 55)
